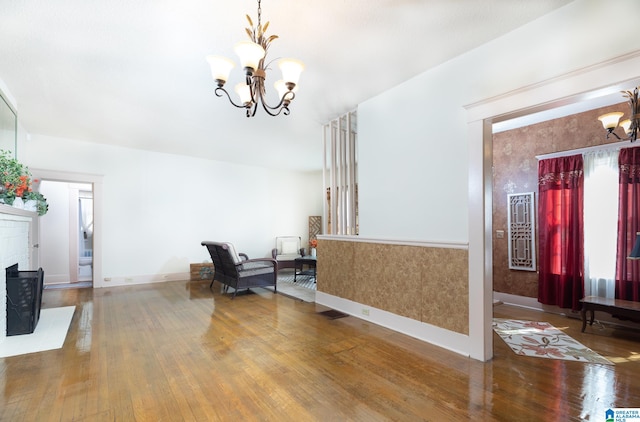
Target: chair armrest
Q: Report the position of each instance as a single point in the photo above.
(243, 256)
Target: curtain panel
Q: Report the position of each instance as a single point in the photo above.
(627, 270)
(560, 231)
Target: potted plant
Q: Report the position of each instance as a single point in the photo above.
(313, 244)
(15, 183)
(35, 201)
(14, 178)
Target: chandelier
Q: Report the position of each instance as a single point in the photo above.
(252, 56)
(631, 126)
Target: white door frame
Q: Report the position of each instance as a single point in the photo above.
(596, 81)
(96, 181)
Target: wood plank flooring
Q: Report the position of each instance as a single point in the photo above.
(176, 351)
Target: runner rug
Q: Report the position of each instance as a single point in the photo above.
(543, 340)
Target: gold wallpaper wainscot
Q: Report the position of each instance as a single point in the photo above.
(427, 284)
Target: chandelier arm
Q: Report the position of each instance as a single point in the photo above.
(257, 93)
(284, 103)
(252, 112)
(282, 107)
(255, 88)
(611, 132)
(635, 113)
(218, 94)
(267, 108)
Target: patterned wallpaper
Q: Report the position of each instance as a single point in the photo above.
(426, 284)
(515, 170)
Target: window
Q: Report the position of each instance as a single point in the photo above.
(600, 222)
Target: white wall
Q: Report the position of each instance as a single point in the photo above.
(413, 138)
(157, 208)
(54, 233)
(409, 136)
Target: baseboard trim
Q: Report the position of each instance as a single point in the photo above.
(141, 279)
(530, 303)
(533, 304)
(455, 342)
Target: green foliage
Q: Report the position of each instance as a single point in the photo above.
(15, 182)
(42, 206)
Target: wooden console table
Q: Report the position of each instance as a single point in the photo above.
(623, 309)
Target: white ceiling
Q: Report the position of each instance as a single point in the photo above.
(133, 72)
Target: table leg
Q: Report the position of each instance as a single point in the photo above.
(584, 317)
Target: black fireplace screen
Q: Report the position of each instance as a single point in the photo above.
(24, 299)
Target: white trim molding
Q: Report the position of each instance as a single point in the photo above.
(455, 342)
(96, 180)
(402, 242)
(597, 80)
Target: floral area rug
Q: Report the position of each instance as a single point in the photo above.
(543, 340)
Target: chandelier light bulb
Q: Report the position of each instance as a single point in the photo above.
(220, 68)
(630, 126)
(250, 54)
(610, 120)
(291, 70)
(283, 90)
(243, 91)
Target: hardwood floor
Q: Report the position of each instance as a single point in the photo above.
(176, 351)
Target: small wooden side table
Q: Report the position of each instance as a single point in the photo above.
(621, 309)
(299, 263)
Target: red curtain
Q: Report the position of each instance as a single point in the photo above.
(627, 270)
(560, 231)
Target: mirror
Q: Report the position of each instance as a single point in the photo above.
(8, 126)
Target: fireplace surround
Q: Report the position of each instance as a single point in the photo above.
(18, 232)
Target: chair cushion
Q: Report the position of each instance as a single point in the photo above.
(255, 268)
(234, 254)
(289, 247)
(288, 257)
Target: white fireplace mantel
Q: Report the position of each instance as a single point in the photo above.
(18, 236)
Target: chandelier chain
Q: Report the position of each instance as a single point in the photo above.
(259, 12)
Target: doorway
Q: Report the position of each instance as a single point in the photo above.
(551, 94)
(70, 249)
(85, 235)
(66, 234)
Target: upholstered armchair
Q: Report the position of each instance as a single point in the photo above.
(287, 250)
(237, 271)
